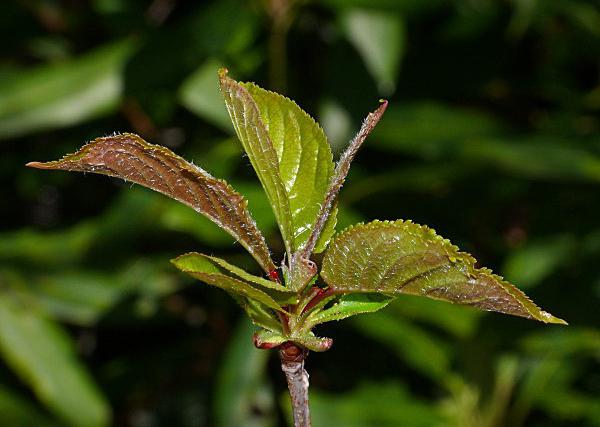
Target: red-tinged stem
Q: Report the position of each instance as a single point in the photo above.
(292, 364)
(320, 295)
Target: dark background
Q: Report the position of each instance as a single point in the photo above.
(492, 138)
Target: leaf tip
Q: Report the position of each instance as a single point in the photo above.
(36, 165)
(548, 318)
(222, 72)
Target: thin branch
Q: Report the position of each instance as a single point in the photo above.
(339, 176)
(292, 365)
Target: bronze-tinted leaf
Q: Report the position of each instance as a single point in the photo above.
(402, 257)
(129, 157)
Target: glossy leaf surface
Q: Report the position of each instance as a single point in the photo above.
(287, 148)
(204, 269)
(129, 157)
(255, 139)
(304, 155)
(402, 257)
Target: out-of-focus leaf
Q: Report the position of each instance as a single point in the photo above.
(79, 297)
(129, 157)
(40, 352)
(402, 257)
(459, 321)
(379, 38)
(431, 129)
(350, 305)
(536, 156)
(200, 94)
(304, 158)
(62, 95)
(243, 398)
(535, 261)
(422, 351)
(16, 411)
(50, 249)
(256, 141)
(205, 270)
(560, 343)
(378, 404)
(337, 124)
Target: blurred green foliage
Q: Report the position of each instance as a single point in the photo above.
(492, 137)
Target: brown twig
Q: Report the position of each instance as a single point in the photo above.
(292, 364)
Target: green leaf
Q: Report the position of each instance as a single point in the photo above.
(402, 257)
(195, 257)
(129, 157)
(431, 129)
(532, 263)
(18, 411)
(328, 231)
(243, 397)
(202, 268)
(255, 139)
(379, 38)
(417, 348)
(379, 404)
(302, 156)
(41, 354)
(350, 305)
(199, 93)
(55, 96)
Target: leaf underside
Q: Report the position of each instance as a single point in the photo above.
(129, 157)
(401, 257)
(289, 152)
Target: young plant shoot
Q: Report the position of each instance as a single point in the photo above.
(364, 267)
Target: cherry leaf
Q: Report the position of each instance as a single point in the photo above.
(129, 157)
(256, 141)
(401, 257)
(203, 268)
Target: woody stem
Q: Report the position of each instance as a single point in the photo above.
(292, 364)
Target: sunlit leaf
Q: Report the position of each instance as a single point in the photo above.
(200, 94)
(204, 269)
(379, 38)
(42, 355)
(129, 157)
(402, 257)
(56, 96)
(289, 152)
